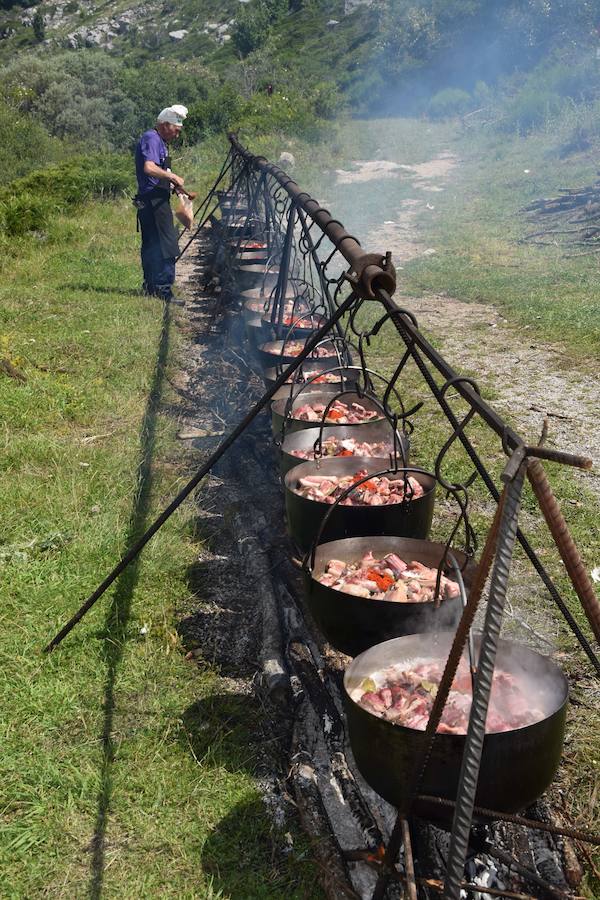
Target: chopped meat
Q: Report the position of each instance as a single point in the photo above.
(339, 413)
(295, 348)
(389, 578)
(404, 693)
(378, 491)
(349, 447)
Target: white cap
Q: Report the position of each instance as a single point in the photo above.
(173, 114)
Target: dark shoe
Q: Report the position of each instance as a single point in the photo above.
(163, 291)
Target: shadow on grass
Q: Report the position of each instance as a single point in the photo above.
(94, 288)
(117, 618)
(244, 854)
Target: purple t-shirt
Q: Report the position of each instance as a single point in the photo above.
(150, 147)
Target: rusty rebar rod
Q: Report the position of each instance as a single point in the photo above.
(471, 760)
(582, 834)
(458, 644)
(570, 555)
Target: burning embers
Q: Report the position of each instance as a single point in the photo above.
(376, 491)
(348, 447)
(339, 413)
(404, 693)
(389, 578)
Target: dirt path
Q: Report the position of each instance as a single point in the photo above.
(529, 378)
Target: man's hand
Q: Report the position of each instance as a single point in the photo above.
(151, 168)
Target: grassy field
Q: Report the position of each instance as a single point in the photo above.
(476, 223)
(126, 771)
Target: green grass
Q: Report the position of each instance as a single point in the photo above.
(114, 735)
(477, 223)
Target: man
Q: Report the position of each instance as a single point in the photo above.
(155, 184)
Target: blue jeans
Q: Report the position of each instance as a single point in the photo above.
(159, 270)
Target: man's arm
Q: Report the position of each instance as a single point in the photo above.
(155, 171)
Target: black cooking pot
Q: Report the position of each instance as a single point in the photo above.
(305, 517)
(249, 243)
(334, 387)
(322, 364)
(250, 257)
(324, 396)
(262, 295)
(237, 226)
(353, 624)
(230, 209)
(255, 276)
(253, 325)
(274, 353)
(300, 326)
(373, 432)
(516, 766)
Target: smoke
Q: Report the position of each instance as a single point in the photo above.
(537, 678)
(471, 51)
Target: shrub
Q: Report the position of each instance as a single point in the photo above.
(219, 112)
(251, 28)
(28, 203)
(530, 109)
(449, 102)
(22, 213)
(326, 100)
(26, 144)
(39, 28)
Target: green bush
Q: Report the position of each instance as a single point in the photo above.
(22, 213)
(251, 28)
(449, 102)
(253, 24)
(326, 100)
(530, 109)
(25, 145)
(219, 112)
(82, 177)
(29, 203)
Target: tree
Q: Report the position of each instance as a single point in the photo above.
(39, 28)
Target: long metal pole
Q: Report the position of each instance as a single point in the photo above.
(566, 545)
(469, 772)
(200, 474)
(205, 203)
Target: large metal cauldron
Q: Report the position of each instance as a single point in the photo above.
(299, 326)
(351, 378)
(304, 517)
(353, 624)
(231, 208)
(256, 299)
(279, 409)
(516, 766)
(373, 432)
(311, 365)
(251, 257)
(236, 226)
(275, 353)
(255, 276)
